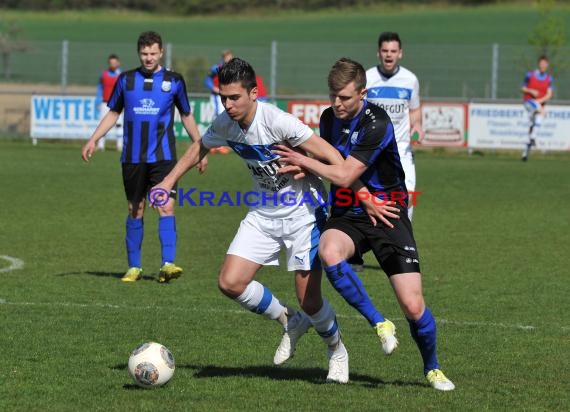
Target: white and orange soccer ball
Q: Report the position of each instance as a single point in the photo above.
(151, 365)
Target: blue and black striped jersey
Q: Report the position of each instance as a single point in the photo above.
(148, 101)
(369, 138)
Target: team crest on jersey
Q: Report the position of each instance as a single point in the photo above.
(166, 86)
(354, 137)
(402, 94)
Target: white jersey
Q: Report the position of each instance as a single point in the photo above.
(397, 95)
(276, 195)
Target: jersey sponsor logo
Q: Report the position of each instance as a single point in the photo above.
(392, 109)
(268, 169)
(273, 185)
(266, 175)
(146, 107)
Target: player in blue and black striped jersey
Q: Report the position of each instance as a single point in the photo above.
(148, 96)
(364, 135)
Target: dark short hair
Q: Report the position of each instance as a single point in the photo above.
(389, 36)
(148, 38)
(237, 70)
(343, 72)
(113, 56)
(542, 57)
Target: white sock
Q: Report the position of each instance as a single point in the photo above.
(259, 299)
(325, 324)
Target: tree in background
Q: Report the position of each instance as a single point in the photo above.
(10, 42)
(549, 36)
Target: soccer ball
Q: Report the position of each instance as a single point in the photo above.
(151, 365)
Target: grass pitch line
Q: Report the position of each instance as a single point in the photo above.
(492, 324)
(243, 312)
(15, 263)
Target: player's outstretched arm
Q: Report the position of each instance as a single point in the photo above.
(532, 92)
(320, 149)
(106, 123)
(195, 153)
(343, 174)
(325, 153)
(546, 97)
(191, 127)
(376, 209)
(416, 123)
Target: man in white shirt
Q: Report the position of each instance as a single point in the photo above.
(397, 90)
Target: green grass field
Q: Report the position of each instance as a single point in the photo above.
(493, 234)
(417, 25)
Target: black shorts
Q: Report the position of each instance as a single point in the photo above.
(138, 178)
(395, 249)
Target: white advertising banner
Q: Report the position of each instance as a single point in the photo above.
(63, 117)
(505, 126)
(443, 124)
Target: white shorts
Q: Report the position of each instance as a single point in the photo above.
(261, 239)
(533, 111)
(407, 160)
(531, 106)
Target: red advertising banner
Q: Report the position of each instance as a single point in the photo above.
(308, 111)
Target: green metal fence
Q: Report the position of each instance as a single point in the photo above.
(445, 71)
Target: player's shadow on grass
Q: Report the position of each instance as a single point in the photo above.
(313, 375)
(103, 273)
(127, 386)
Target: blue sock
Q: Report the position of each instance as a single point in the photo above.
(423, 331)
(133, 240)
(348, 284)
(167, 236)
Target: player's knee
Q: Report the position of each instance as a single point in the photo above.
(228, 287)
(136, 210)
(167, 209)
(413, 308)
(329, 253)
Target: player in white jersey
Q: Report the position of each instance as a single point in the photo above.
(284, 216)
(397, 90)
